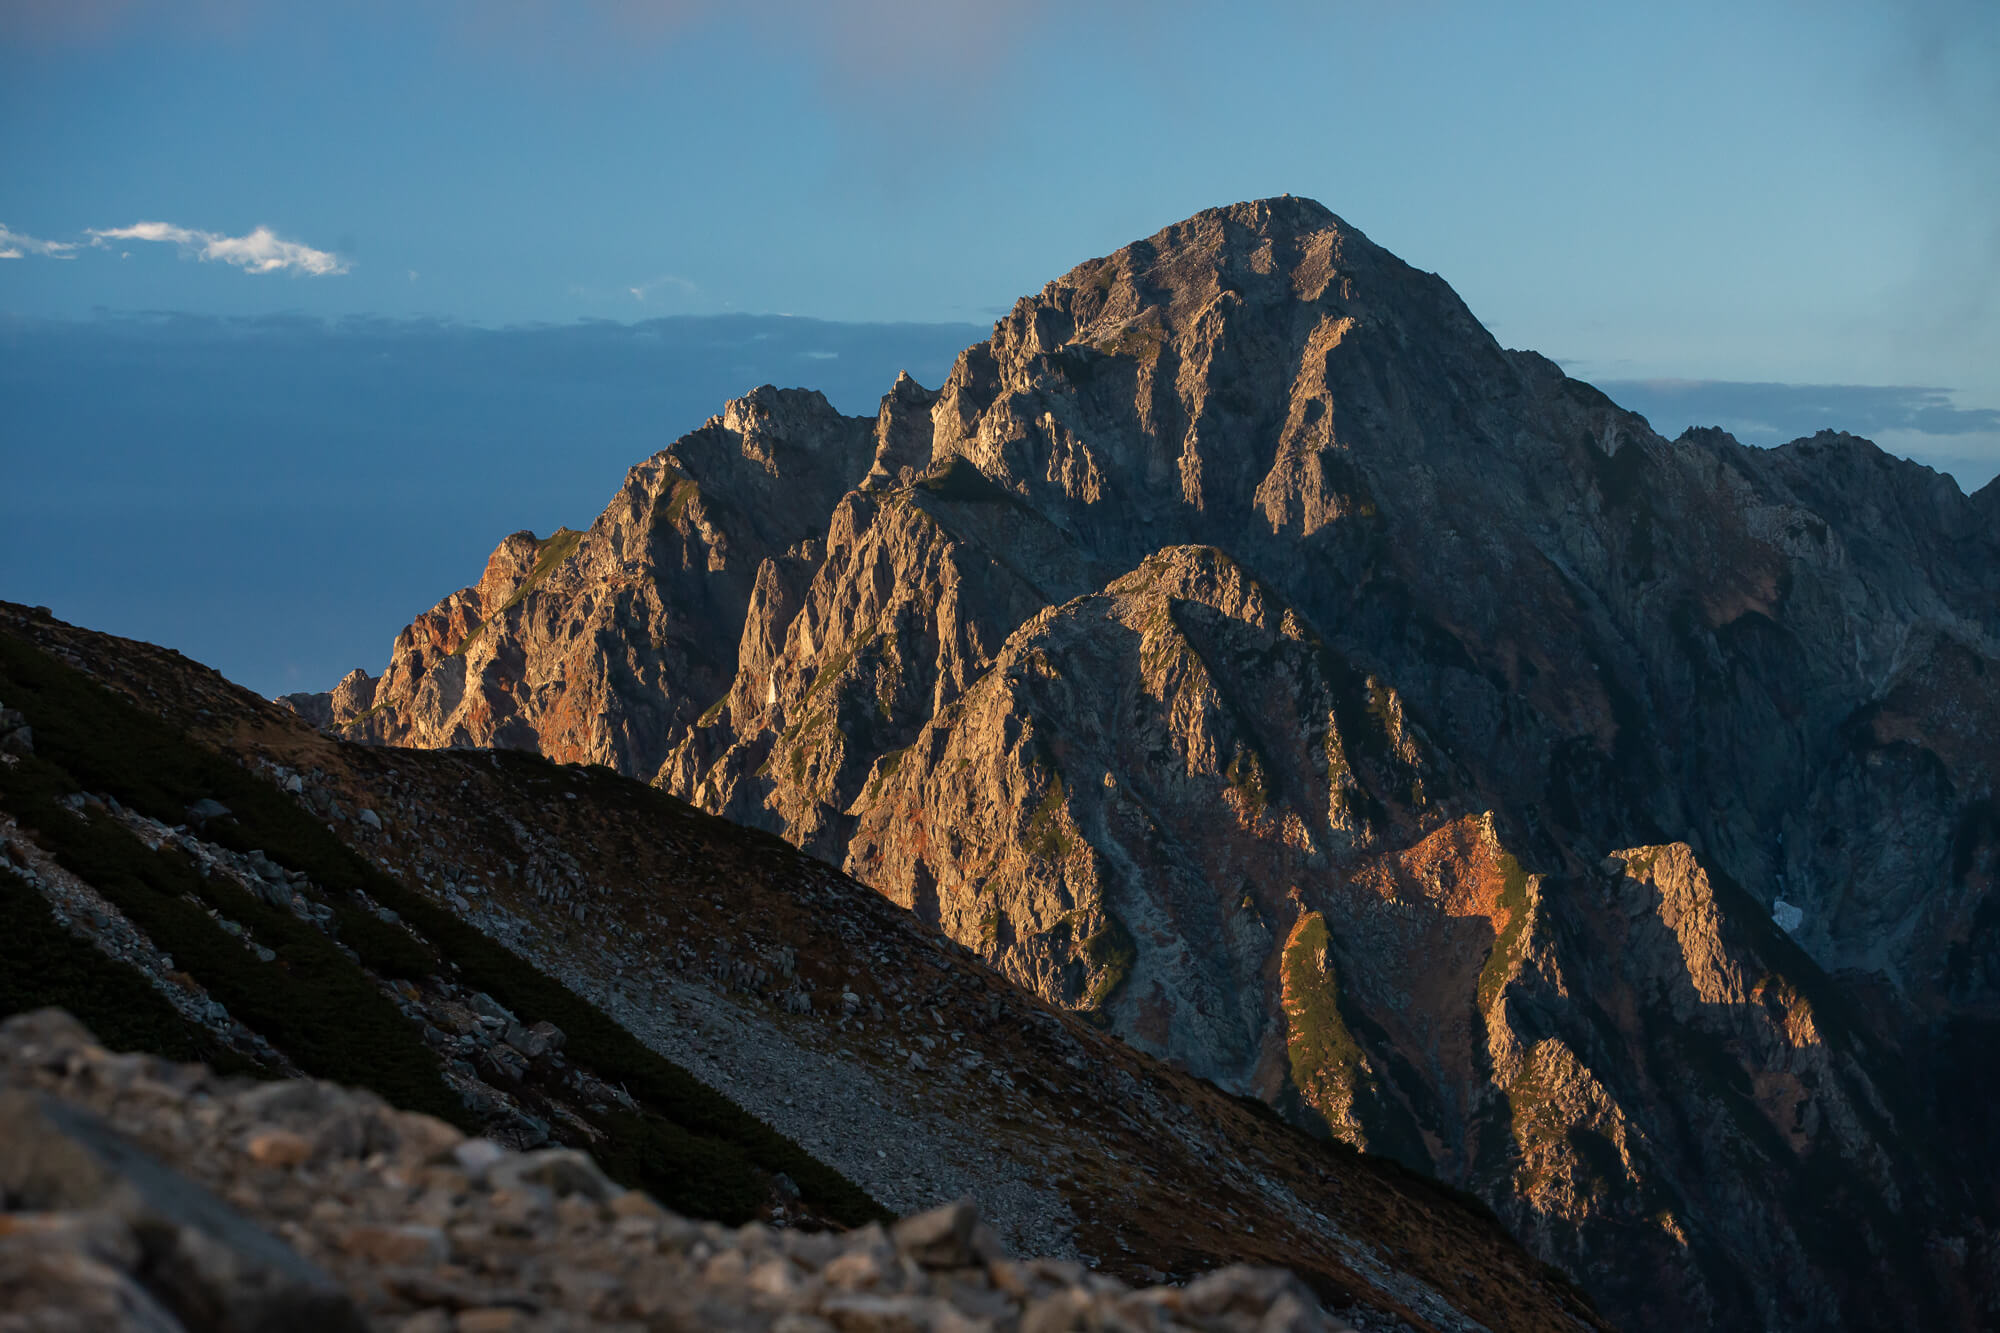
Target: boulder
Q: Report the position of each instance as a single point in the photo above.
(487, 1007)
(193, 1255)
(947, 1237)
(534, 1042)
(561, 1171)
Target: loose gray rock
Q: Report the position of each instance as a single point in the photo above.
(198, 1257)
(487, 1007)
(422, 1230)
(561, 1171)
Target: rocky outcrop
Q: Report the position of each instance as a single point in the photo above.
(1244, 649)
(595, 645)
(428, 1229)
(1662, 1058)
(353, 697)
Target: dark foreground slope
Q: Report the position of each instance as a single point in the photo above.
(427, 913)
(233, 926)
(1242, 649)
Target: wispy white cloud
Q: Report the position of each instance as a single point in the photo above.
(669, 284)
(642, 291)
(14, 245)
(262, 251)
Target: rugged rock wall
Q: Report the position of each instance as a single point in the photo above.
(1244, 648)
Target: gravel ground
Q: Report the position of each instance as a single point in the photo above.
(140, 1194)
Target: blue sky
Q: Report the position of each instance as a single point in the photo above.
(1781, 191)
(1791, 197)
(278, 496)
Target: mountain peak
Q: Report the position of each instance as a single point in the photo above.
(1317, 803)
(1258, 235)
(1290, 213)
(1285, 264)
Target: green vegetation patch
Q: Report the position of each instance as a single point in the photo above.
(962, 481)
(1101, 279)
(678, 499)
(1046, 836)
(310, 1001)
(836, 666)
(1112, 951)
(1514, 902)
(553, 550)
(1142, 341)
(885, 767)
(800, 740)
(1322, 1050)
(373, 709)
(549, 552)
(1246, 778)
(42, 964)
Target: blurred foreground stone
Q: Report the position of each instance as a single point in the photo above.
(140, 1194)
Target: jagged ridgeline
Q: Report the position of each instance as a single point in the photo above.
(1243, 649)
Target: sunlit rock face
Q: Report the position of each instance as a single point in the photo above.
(1244, 648)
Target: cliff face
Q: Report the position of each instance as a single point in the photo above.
(1243, 649)
(601, 644)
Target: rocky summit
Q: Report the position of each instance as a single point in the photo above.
(1244, 651)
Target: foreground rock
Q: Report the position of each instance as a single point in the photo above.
(147, 1195)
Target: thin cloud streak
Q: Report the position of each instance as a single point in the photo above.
(641, 291)
(14, 245)
(261, 251)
